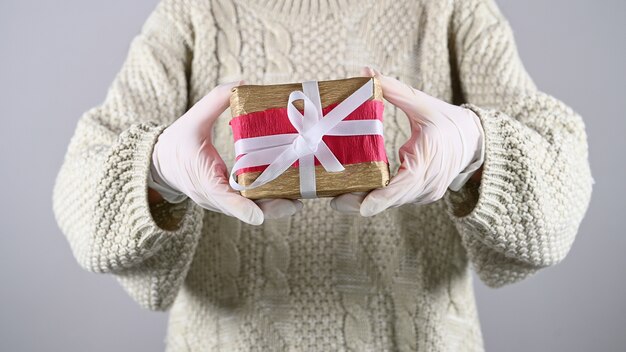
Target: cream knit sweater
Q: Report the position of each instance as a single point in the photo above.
(324, 281)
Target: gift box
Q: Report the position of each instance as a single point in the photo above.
(309, 139)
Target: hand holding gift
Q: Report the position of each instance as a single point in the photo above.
(186, 164)
(445, 148)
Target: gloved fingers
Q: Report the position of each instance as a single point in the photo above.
(394, 90)
(279, 208)
(230, 202)
(210, 189)
(224, 199)
(404, 184)
(348, 202)
(367, 71)
(412, 101)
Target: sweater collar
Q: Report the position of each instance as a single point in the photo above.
(298, 8)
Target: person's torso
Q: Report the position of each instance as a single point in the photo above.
(322, 280)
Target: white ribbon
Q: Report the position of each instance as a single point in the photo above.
(279, 152)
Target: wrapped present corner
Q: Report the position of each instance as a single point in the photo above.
(310, 139)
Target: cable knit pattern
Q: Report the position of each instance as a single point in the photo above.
(321, 280)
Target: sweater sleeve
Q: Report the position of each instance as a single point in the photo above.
(100, 197)
(536, 181)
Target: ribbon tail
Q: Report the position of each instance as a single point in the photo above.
(328, 160)
(306, 169)
(277, 165)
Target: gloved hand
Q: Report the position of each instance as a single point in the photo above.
(445, 149)
(186, 164)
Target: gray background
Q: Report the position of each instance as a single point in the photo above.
(57, 58)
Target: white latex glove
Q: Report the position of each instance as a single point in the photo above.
(445, 149)
(186, 164)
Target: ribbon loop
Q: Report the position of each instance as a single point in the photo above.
(279, 152)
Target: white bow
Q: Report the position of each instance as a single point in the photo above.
(279, 152)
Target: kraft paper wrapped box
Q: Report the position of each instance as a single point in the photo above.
(310, 139)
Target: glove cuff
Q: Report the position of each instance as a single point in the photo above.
(156, 182)
(479, 157)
